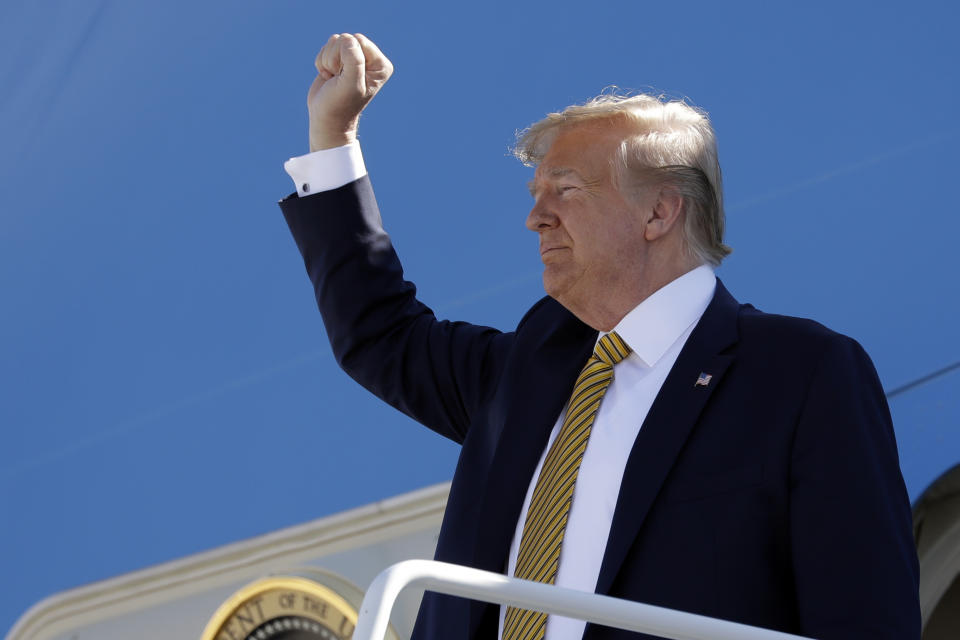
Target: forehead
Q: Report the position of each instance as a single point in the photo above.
(584, 148)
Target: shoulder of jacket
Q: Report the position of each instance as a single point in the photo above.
(790, 331)
(542, 306)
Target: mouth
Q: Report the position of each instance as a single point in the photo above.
(545, 250)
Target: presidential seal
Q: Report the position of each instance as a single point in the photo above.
(288, 608)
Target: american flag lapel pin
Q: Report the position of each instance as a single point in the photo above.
(703, 380)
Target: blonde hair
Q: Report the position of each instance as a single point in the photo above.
(667, 142)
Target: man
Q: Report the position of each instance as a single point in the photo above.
(640, 434)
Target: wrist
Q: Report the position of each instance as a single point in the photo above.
(329, 139)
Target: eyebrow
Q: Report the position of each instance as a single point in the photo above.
(555, 172)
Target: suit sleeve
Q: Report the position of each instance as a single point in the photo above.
(854, 557)
(437, 372)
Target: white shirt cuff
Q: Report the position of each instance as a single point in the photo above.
(326, 169)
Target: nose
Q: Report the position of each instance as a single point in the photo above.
(540, 217)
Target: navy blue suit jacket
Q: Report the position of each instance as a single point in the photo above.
(771, 496)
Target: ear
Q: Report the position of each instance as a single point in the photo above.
(667, 214)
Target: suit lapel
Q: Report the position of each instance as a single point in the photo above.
(668, 425)
(540, 385)
(540, 382)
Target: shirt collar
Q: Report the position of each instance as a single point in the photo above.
(656, 323)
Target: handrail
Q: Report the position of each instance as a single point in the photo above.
(472, 583)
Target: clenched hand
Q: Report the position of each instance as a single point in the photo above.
(350, 72)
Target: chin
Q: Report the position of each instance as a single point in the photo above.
(554, 285)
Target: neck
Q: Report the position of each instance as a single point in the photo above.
(608, 309)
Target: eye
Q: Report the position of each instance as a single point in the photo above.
(565, 188)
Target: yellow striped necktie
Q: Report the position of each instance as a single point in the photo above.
(539, 554)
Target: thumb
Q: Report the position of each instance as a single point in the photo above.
(353, 61)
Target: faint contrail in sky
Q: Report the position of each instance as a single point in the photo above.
(505, 285)
(486, 292)
(844, 170)
(161, 412)
(46, 88)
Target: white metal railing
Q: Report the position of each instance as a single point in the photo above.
(456, 580)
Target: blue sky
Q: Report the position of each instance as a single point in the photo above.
(166, 383)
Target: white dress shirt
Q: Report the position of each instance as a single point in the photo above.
(656, 331)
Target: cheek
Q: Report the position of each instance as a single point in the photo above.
(629, 228)
(619, 247)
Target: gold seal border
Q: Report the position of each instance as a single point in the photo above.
(232, 604)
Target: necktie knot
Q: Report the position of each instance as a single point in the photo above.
(611, 349)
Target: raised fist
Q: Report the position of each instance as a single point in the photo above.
(350, 71)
